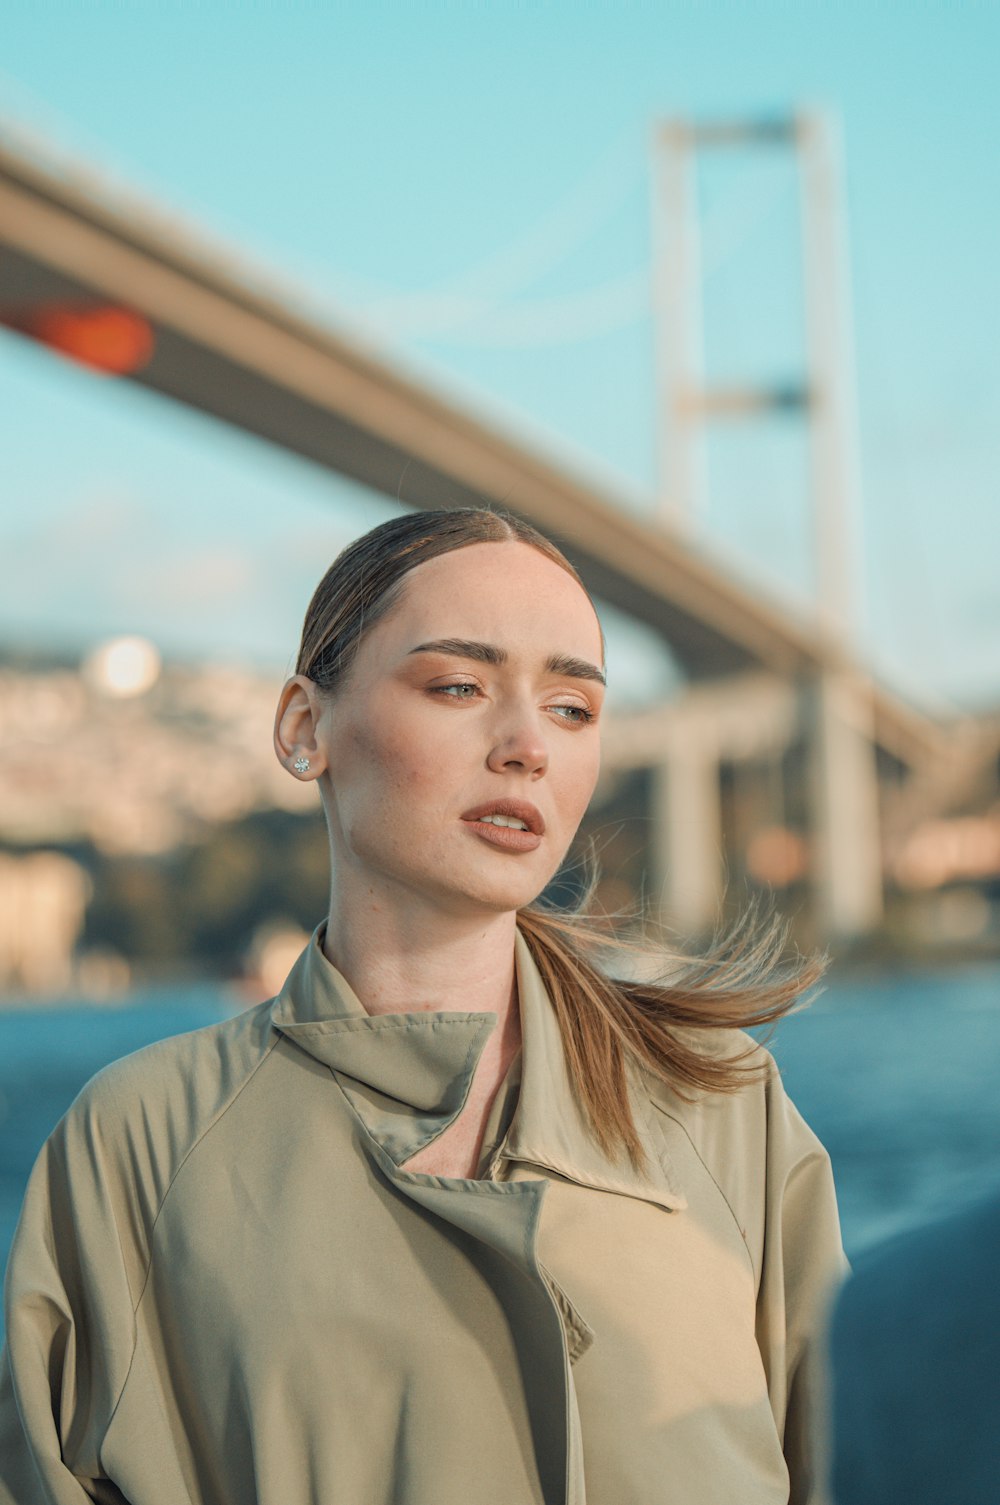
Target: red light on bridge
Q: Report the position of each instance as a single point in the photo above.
(101, 337)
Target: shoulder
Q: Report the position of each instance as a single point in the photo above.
(105, 1170)
(140, 1116)
(190, 1076)
(724, 1122)
(758, 1112)
(752, 1140)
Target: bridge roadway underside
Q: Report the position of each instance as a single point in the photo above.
(638, 569)
(238, 351)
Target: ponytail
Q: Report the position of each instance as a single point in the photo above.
(740, 983)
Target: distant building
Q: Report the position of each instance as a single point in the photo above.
(43, 896)
(141, 773)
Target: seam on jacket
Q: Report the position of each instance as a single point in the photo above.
(704, 1164)
(351, 1024)
(152, 1227)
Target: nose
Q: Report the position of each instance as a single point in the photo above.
(520, 747)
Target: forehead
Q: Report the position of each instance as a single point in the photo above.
(509, 594)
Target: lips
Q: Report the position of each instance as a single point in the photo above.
(516, 809)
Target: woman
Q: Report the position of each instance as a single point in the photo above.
(456, 1219)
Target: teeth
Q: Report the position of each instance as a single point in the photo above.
(504, 820)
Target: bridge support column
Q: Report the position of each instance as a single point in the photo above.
(687, 835)
(847, 863)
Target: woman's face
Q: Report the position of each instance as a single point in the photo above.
(478, 694)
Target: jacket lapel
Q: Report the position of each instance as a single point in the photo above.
(408, 1075)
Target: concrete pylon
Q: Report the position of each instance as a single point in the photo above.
(687, 845)
(847, 860)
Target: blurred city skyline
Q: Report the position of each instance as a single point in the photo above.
(469, 191)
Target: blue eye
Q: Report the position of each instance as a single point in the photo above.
(574, 715)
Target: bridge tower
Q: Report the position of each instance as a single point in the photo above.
(836, 707)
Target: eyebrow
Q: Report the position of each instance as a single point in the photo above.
(486, 653)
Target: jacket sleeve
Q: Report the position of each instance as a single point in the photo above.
(802, 1267)
(69, 1317)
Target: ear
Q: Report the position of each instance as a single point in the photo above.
(296, 724)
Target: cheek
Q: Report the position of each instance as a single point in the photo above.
(581, 780)
(392, 760)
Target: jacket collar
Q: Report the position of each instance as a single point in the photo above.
(408, 1075)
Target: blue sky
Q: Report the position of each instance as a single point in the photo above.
(469, 184)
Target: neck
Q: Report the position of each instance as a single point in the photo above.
(407, 958)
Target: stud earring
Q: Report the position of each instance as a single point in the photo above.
(301, 765)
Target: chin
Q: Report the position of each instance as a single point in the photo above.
(501, 892)
(496, 896)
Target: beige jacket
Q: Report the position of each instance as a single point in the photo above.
(223, 1291)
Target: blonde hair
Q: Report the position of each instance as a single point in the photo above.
(740, 983)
